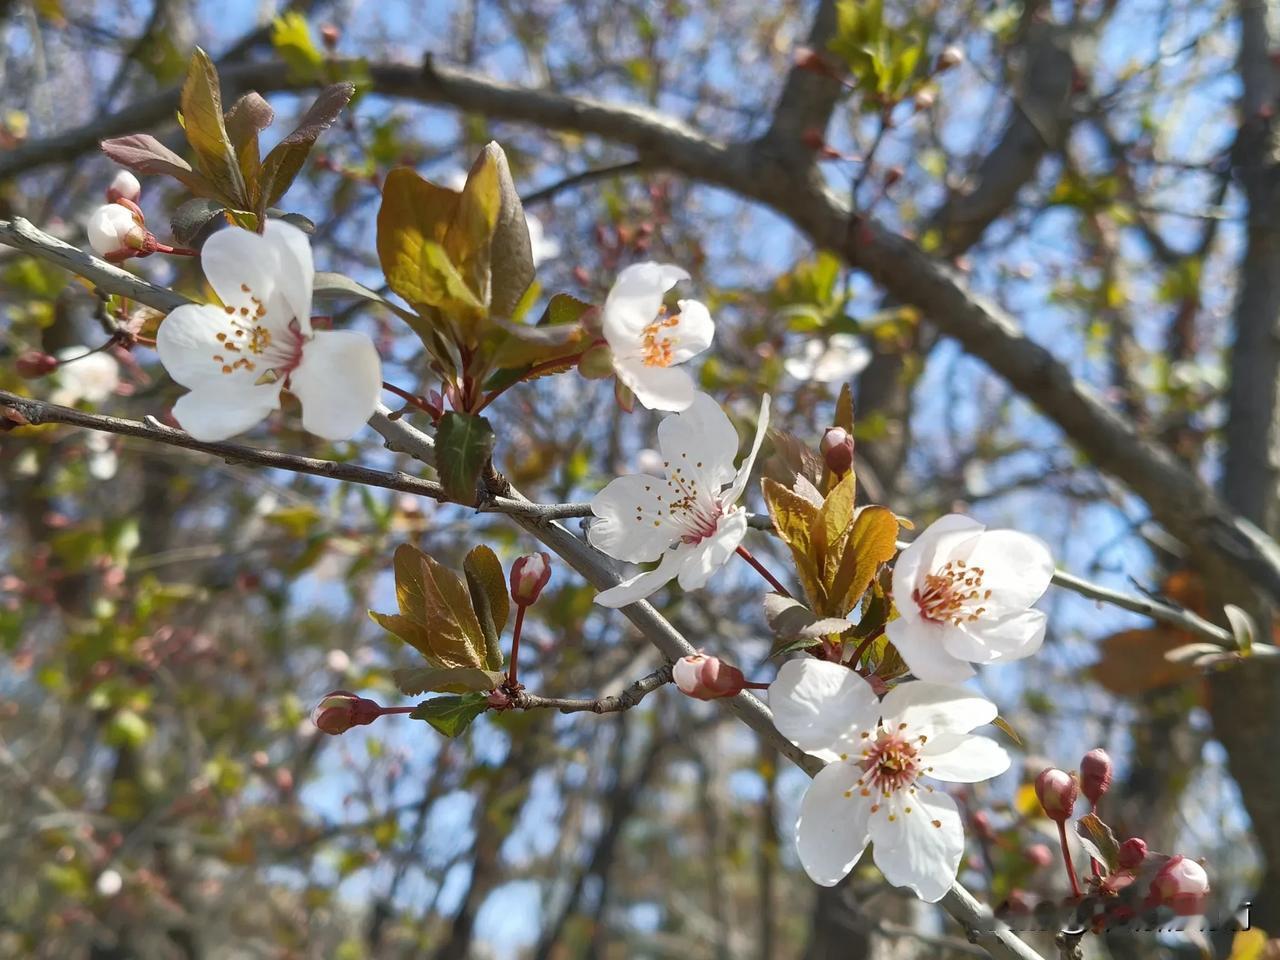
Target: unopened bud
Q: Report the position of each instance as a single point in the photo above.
(34, 364)
(1038, 855)
(341, 710)
(596, 363)
(1057, 791)
(1095, 774)
(982, 824)
(529, 574)
(707, 678)
(837, 450)
(330, 35)
(1182, 885)
(892, 176)
(1132, 852)
(113, 233)
(950, 57)
(125, 186)
(925, 99)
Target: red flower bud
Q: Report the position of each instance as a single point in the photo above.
(35, 364)
(1057, 791)
(529, 574)
(1095, 774)
(707, 678)
(1182, 885)
(1038, 855)
(1132, 852)
(837, 450)
(982, 825)
(330, 35)
(341, 710)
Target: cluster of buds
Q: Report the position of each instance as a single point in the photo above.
(118, 230)
(707, 678)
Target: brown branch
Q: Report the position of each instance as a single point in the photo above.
(625, 700)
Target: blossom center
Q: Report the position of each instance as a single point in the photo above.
(656, 345)
(248, 343)
(890, 764)
(953, 594)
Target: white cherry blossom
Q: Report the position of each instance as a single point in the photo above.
(236, 358)
(85, 375)
(964, 594)
(544, 248)
(881, 753)
(647, 343)
(841, 357)
(689, 519)
(113, 231)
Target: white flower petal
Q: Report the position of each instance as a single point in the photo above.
(693, 332)
(992, 640)
(1016, 568)
(657, 388)
(713, 552)
(926, 553)
(831, 833)
(634, 301)
(191, 352)
(819, 705)
(921, 849)
(701, 443)
(242, 268)
(635, 521)
(211, 413)
(338, 382)
(963, 758)
(92, 376)
(297, 269)
(644, 584)
(802, 367)
(845, 357)
(734, 493)
(932, 708)
(920, 643)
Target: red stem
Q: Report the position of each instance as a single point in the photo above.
(862, 647)
(746, 555)
(408, 397)
(514, 669)
(752, 685)
(386, 710)
(1066, 859)
(533, 371)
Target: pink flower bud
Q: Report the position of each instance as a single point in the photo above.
(529, 574)
(341, 710)
(924, 99)
(1095, 774)
(34, 364)
(1057, 791)
(1182, 885)
(1132, 852)
(707, 678)
(982, 825)
(330, 35)
(124, 187)
(113, 232)
(950, 57)
(837, 450)
(1038, 855)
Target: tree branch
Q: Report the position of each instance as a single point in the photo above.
(625, 700)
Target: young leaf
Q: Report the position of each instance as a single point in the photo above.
(191, 219)
(511, 252)
(451, 715)
(248, 117)
(414, 212)
(415, 680)
(794, 518)
(790, 618)
(286, 158)
(871, 542)
(464, 444)
(436, 616)
(291, 38)
(1098, 839)
(488, 588)
(207, 133)
(145, 154)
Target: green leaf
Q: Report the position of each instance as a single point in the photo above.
(207, 133)
(790, 618)
(415, 680)
(464, 444)
(284, 162)
(191, 219)
(451, 715)
(1009, 732)
(510, 251)
(291, 38)
(794, 518)
(871, 542)
(488, 588)
(436, 616)
(1098, 839)
(248, 117)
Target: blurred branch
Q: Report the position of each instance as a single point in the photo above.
(578, 179)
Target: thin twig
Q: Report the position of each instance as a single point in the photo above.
(577, 179)
(625, 700)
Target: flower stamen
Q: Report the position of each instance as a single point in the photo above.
(952, 594)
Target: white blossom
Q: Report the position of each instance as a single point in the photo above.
(85, 375)
(964, 594)
(236, 358)
(881, 753)
(841, 357)
(111, 229)
(647, 343)
(689, 519)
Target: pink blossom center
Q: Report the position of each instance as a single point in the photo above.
(891, 763)
(952, 594)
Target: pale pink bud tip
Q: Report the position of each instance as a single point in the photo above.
(1095, 774)
(34, 364)
(341, 710)
(707, 678)
(950, 57)
(1057, 791)
(1132, 852)
(837, 450)
(529, 574)
(1182, 885)
(125, 186)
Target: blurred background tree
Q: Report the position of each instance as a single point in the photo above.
(1095, 177)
